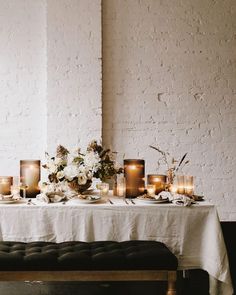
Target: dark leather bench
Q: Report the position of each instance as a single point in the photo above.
(94, 261)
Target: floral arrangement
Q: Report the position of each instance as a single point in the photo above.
(77, 170)
(173, 165)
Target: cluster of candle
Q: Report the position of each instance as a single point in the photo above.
(28, 182)
(131, 185)
(184, 185)
(134, 184)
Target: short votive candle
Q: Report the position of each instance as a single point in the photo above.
(151, 189)
(120, 186)
(5, 185)
(158, 180)
(104, 189)
(120, 190)
(30, 177)
(134, 170)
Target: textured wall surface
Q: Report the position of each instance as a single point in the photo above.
(169, 79)
(74, 72)
(22, 82)
(50, 77)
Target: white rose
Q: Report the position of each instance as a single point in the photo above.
(59, 161)
(60, 174)
(82, 179)
(71, 171)
(89, 175)
(91, 160)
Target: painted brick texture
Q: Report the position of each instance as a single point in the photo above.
(50, 69)
(74, 72)
(169, 79)
(22, 82)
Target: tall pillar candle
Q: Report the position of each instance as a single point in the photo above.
(5, 185)
(134, 171)
(158, 180)
(30, 176)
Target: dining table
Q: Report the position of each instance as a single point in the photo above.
(193, 233)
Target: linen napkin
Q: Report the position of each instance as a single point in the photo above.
(182, 200)
(177, 199)
(10, 197)
(53, 197)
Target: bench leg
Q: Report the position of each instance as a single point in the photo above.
(171, 289)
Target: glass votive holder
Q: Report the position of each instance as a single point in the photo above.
(158, 180)
(173, 188)
(121, 187)
(104, 188)
(15, 190)
(5, 185)
(30, 176)
(188, 185)
(151, 189)
(181, 184)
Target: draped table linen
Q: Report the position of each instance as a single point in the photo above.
(193, 233)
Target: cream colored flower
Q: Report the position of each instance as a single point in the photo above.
(60, 174)
(59, 161)
(52, 167)
(71, 171)
(82, 179)
(91, 161)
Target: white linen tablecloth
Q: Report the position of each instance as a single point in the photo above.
(193, 233)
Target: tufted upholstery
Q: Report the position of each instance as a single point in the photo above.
(107, 255)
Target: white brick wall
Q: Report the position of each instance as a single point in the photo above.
(170, 80)
(50, 77)
(74, 72)
(22, 82)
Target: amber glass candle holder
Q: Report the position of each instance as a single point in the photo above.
(134, 170)
(188, 185)
(30, 177)
(158, 180)
(181, 184)
(5, 185)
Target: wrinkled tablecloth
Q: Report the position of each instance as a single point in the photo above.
(193, 233)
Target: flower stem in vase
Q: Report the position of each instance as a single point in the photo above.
(170, 177)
